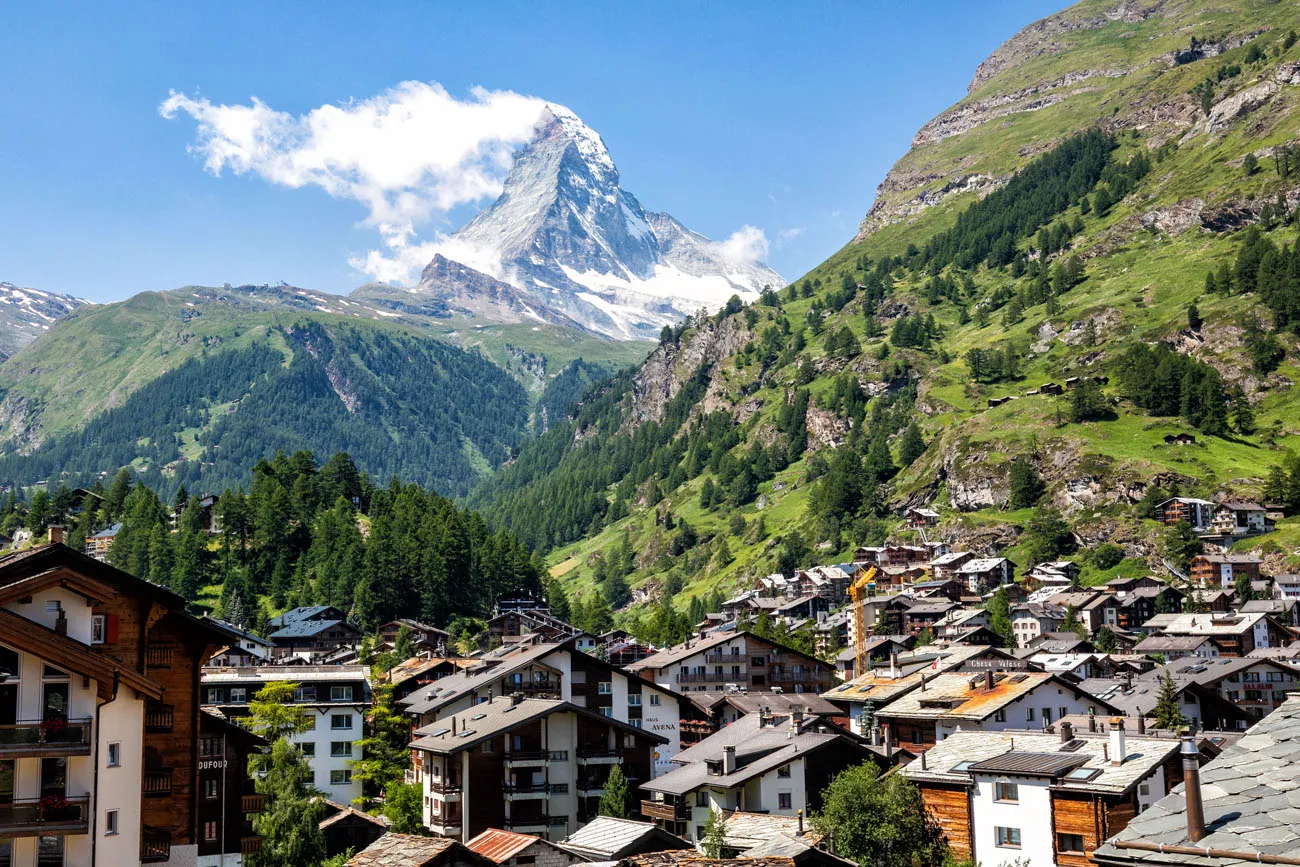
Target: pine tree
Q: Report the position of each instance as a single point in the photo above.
(1105, 641)
(384, 752)
(1025, 486)
(1168, 712)
(616, 796)
(912, 447)
(714, 841)
(289, 822)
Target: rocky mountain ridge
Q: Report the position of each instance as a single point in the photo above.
(26, 313)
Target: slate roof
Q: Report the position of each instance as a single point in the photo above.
(1212, 624)
(777, 702)
(454, 686)
(1251, 795)
(952, 696)
(488, 719)
(307, 628)
(682, 651)
(607, 838)
(953, 759)
(408, 850)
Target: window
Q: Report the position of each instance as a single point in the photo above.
(701, 799)
(783, 771)
(526, 859)
(49, 852)
(1072, 843)
(1144, 789)
(635, 723)
(340, 778)
(1047, 716)
(559, 821)
(52, 606)
(1006, 792)
(654, 699)
(216, 695)
(98, 628)
(115, 755)
(1029, 714)
(211, 789)
(634, 700)
(606, 711)
(238, 694)
(304, 693)
(6, 853)
(699, 832)
(1000, 715)
(340, 721)
(308, 749)
(110, 823)
(756, 661)
(1007, 838)
(783, 801)
(209, 747)
(604, 687)
(209, 831)
(340, 748)
(340, 693)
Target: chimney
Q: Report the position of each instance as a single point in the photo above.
(875, 736)
(923, 760)
(1117, 746)
(1067, 732)
(1192, 789)
(988, 679)
(889, 743)
(1142, 724)
(729, 760)
(515, 698)
(923, 683)
(56, 534)
(800, 814)
(796, 718)
(893, 663)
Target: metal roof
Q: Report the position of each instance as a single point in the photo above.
(1030, 764)
(499, 845)
(606, 837)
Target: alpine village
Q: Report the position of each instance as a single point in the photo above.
(977, 544)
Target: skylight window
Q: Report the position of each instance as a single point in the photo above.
(479, 716)
(962, 766)
(1082, 775)
(467, 733)
(440, 732)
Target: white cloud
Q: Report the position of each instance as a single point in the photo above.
(745, 246)
(408, 154)
(784, 236)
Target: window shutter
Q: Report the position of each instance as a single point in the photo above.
(110, 629)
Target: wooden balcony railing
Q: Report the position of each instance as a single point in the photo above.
(52, 814)
(159, 717)
(253, 803)
(51, 737)
(658, 810)
(158, 656)
(157, 782)
(155, 845)
(249, 845)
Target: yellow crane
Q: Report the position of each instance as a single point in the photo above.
(857, 591)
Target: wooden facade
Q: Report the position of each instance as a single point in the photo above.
(950, 809)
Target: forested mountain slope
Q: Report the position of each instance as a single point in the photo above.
(1058, 222)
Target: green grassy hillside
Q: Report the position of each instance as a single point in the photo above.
(790, 440)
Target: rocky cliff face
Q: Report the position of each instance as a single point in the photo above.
(27, 313)
(565, 242)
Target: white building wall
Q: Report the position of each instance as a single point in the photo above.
(771, 786)
(1032, 816)
(1015, 716)
(121, 722)
(323, 763)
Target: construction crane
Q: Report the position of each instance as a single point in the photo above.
(857, 591)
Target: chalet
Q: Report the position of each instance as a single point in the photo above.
(946, 565)
(513, 622)
(1284, 611)
(227, 797)
(1056, 642)
(709, 663)
(1031, 619)
(1238, 799)
(512, 849)
(422, 634)
(986, 573)
(409, 850)
(760, 763)
(1137, 697)
(1259, 686)
(529, 765)
(311, 632)
(1060, 573)
(1136, 606)
(1180, 439)
(725, 708)
(989, 701)
(1186, 510)
(939, 588)
(1286, 586)
(1232, 634)
(99, 544)
(1171, 647)
(607, 839)
(1094, 609)
(346, 828)
(562, 672)
(1050, 388)
(1236, 518)
(926, 615)
(102, 715)
(418, 672)
(1221, 570)
(1040, 799)
(255, 645)
(920, 517)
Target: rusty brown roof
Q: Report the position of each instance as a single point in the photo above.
(500, 845)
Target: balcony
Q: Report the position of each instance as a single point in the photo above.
(45, 817)
(707, 677)
(249, 845)
(598, 756)
(725, 659)
(445, 787)
(664, 812)
(158, 656)
(591, 789)
(535, 757)
(52, 737)
(155, 845)
(159, 718)
(534, 824)
(526, 791)
(157, 782)
(252, 803)
(536, 687)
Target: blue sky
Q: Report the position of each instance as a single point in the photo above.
(783, 116)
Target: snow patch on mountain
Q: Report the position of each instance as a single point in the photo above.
(25, 313)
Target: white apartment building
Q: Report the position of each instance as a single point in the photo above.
(336, 698)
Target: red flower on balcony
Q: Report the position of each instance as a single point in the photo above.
(53, 808)
(54, 724)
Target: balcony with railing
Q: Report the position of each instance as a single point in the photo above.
(158, 717)
(155, 845)
(598, 755)
(535, 757)
(157, 782)
(665, 812)
(725, 658)
(158, 656)
(52, 737)
(252, 802)
(525, 824)
(53, 815)
(706, 677)
(250, 845)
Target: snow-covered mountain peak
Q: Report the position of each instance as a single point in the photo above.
(26, 313)
(559, 121)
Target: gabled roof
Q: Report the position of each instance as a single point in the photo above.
(500, 846)
(1249, 799)
(408, 850)
(967, 696)
(606, 838)
(486, 720)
